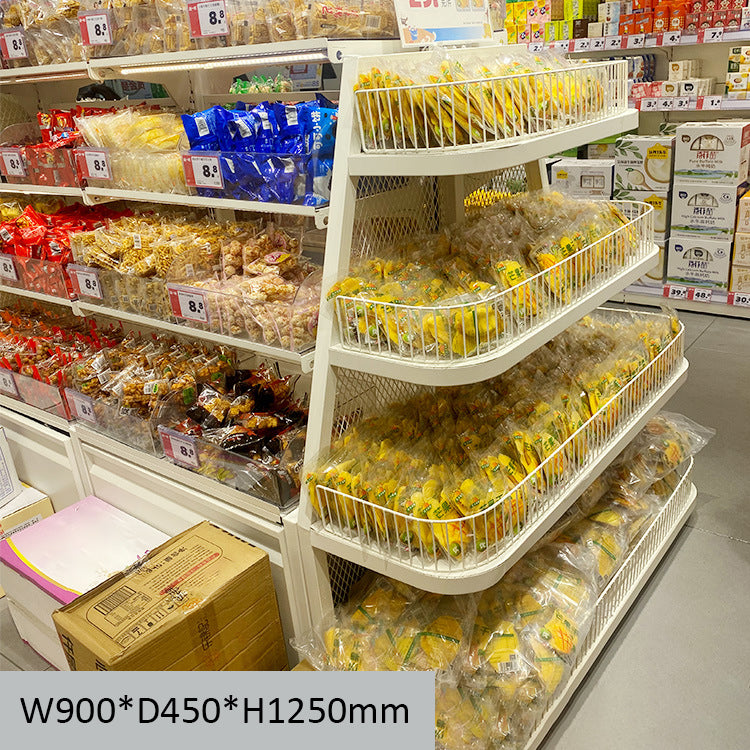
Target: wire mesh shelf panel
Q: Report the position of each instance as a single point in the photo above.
(486, 188)
(465, 542)
(342, 575)
(496, 322)
(484, 108)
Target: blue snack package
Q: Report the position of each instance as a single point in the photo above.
(280, 173)
(203, 128)
(240, 131)
(318, 187)
(290, 138)
(268, 130)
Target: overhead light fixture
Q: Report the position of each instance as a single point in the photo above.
(291, 58)
(42, 77)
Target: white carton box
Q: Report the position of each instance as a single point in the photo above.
(735, 82)
(643, 162)
(583, 178)
(741, 254)
(698, 261)
(680, 70)
(704, 208)
(658, 199)
(712, 151)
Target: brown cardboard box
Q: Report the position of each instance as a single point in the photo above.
(26, 509)
(204, 600)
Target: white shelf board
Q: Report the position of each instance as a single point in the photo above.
(19, 407)
(470, 159)
(42, 73)
(302, 360)
(448, 580)
(476, 369)
(320, 214)
(38, 296)
(720, 307)
(164, 467)
(7, 187)
(616, 617)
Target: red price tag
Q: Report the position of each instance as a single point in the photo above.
(81, 406)
(675, 292)
(739, 298)
(700, 295)
(13, 44)
(13, 163)
(85, 281)
(96, 27)
(203, 170)
(93, 163)
(180, 448)
(208, 18)
(188, 303)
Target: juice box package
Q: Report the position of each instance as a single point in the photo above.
(713, 151)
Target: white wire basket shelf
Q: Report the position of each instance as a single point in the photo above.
(484, 545)
(619, 595)
(431, 339)
(483, 110)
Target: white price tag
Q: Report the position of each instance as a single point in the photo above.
(95, 164)
(8, 268)
(96, 28)
(81, 405)
(666, 103)
(188, 303)
(613, 42)
(536, 46)
(581, 45)
(598, 43)
(88, 282)
(712, 102)
(208, 18)
(202, 171)
(180, 448)
(13, 164)
(682, 103)
(711, 35)
(651, 41)
(13, 45)
(649, 104)
(672, 37)
(700, 295)
(8, 383)
(636, 41)
(676, 292)
(739, 298)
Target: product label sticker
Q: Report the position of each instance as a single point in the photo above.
(8, 268)
(208, 18)
(180, 448)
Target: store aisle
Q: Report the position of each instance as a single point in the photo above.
(676, 674)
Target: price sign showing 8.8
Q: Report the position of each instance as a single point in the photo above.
(81, 405)
(202, 171)
(94, 163)
(13, 164)
(13, 44)
(188, 303)
(180, 448)
(96, 27)
(8, 383)
(87, 280)
(208, 18)
(8, 268)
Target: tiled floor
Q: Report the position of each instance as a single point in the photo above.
(677, 672)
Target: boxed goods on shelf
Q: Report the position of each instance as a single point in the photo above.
(502, 656)
(741, 254)
(740, 279)
(223, 617)
(482, 284)
(704, 209)
(659, 199)
(743, 213)
(478, 97)
(447, 479)
(699, 261)
(643, 162)
(56, 560)
(712, 151)
(584, 178)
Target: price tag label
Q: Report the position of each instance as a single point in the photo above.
(81, 406)
(13, 44)
(86, 280)
(8, 383)
(598, 43)
(208, 18)
(636, 41)
(202, 171)
(188, 303)
(13, 162)
(666, 103)
(700, 295)
(675, 292)
(94, 163)
(739, 298)
(581, 45)
(180, 448)
(649, 104)
(536, 46)
(710, 35)
(710, 102)
(613, 42)
(8, 268)
(96, 27)
(669, 38)
(682, 103)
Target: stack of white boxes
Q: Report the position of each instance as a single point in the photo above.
(739, 280)
(583, 178)
(685, 80)
(710, 169)
(643, 172)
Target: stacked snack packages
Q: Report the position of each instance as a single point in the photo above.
(446, 99)
(456, 275)
(502, 656)
(256, 282)
(456, 470)
(269, 152)
(143, 148)
(146, 27)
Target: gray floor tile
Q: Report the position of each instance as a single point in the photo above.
(728, 335)
(676, 673)
(14, 648)
(696, 325)
(6, 665)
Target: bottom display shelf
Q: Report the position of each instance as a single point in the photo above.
(621, 592)
(718, 305)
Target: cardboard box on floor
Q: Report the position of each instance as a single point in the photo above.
(204, 600)
(26, 509)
